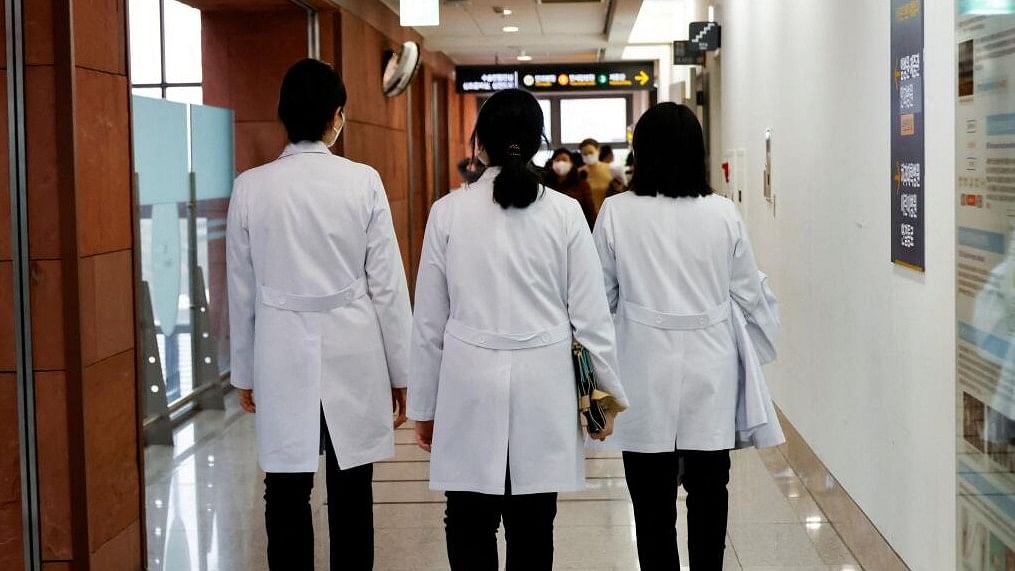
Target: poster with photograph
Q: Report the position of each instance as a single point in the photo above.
(985, 285)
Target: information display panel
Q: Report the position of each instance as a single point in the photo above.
(557, 78)
(985, 284)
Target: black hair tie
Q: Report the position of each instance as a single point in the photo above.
(514, 151)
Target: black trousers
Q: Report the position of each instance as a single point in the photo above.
(471, 522)
(653, 480)
(289, 520)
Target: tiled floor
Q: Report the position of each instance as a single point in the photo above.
(205, 512)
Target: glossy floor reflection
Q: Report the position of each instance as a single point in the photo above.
(205, 512)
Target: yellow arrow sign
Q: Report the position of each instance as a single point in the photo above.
(642, 77)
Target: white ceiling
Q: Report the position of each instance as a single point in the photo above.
(470, 32)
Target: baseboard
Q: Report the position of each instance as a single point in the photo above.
(860, 535)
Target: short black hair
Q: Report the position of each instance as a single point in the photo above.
(592, 142)
(669, 153)
(605, 151)
(311, 93)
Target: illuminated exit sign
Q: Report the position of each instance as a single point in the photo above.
(541, 78)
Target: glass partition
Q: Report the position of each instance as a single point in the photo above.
(184, 169)
(985, 285)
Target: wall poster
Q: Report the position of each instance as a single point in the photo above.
(907, 134)
(985, 283)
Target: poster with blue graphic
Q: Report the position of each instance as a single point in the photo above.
(908, 172)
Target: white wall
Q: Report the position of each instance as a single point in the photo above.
(866, 369)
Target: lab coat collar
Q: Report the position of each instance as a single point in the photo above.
(305, 147)
(489, 174)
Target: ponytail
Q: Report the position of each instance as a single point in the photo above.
(510, 130)
(516, 185)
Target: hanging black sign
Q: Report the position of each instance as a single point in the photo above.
(706, 35)
(687, 53)
(908, 166)
(602, 76)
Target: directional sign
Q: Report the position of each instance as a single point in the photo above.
(602, 76)
(687, 53)
(706, 34)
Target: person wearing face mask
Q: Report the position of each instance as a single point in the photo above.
(596, 172)
(561, 175)
(320, 325)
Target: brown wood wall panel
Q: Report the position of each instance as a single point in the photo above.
(362, 49)
(11, 546)
(80, 246)
(246, 54)
(54, 488)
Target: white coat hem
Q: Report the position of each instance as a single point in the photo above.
(380, 452)
(515, 490)
(420, 416)
(670, 446)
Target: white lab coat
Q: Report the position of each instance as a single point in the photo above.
(319, 308)
(671, 267)
(757, 422)
(500, 294)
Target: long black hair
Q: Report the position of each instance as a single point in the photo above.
(669, 153)
(510, 130)
(550, 177)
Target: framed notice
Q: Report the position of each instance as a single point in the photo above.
(908, 166)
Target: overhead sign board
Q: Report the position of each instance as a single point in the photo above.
(542, 78)
(687, 53)
(707, 35)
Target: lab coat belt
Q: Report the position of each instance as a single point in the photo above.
(661, 320)
(311, 303)
(506, 341)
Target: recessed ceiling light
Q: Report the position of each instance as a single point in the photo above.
(507, 11)
(510, 29)
(524, 57)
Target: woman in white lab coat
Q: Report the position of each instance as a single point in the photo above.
(509, 275)
(320, 324)
(674, 254)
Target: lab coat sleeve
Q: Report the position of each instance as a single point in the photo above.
(745, 282)
(588, 309)
(433, 308)
(242, 285)
(603, 236)
(387, 288)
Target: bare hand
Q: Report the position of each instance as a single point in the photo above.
(607, 430)
(398, 406)
(424, 434)
(247, 400)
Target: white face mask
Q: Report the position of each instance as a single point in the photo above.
(590, 159)
(337, 132)
(561, 167)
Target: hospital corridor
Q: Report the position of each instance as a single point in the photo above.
(507, 285)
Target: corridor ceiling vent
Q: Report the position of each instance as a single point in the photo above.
(399, 68)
